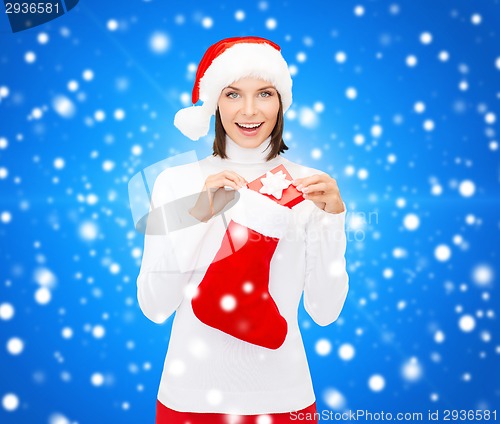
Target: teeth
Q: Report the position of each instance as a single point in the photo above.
(249, 125)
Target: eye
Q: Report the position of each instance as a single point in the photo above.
(266, 94)
(232, 95)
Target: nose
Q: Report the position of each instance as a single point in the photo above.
(249, 107)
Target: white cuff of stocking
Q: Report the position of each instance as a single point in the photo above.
(261, 214)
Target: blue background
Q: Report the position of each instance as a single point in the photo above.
(68, 230)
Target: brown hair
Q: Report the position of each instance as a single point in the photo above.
(277, 144)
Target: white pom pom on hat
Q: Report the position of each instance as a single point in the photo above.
(193, 121)
(228, 61)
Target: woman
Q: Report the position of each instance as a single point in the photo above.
(235, 353)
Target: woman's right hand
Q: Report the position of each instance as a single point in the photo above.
(224, 178)
(214, 196)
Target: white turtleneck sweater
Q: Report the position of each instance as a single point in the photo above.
(207, 370)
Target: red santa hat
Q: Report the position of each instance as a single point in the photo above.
(228, 61)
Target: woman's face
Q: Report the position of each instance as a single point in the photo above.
(249, 110)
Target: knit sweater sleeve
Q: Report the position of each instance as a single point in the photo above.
(160, 284)
(327, 281)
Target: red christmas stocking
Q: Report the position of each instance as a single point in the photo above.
(234, 293)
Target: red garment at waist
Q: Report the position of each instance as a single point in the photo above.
(165, 415)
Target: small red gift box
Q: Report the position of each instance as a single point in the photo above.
(290, 197)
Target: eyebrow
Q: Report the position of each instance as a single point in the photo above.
(260, 89)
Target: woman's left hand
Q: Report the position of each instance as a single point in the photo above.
(322, 190)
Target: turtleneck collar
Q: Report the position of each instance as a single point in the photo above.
(236, 153)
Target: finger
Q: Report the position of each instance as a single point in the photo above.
(235, 176)
(235, 184)
(319, 196)
(311, 178)
(313, 188)
(305, 181)
(320, 205)
(222, 181)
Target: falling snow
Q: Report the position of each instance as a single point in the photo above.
(376, 383)
(159, 42)
(323, 347)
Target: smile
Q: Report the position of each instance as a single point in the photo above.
(249, 126)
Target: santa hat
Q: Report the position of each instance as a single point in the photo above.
(224, 63)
